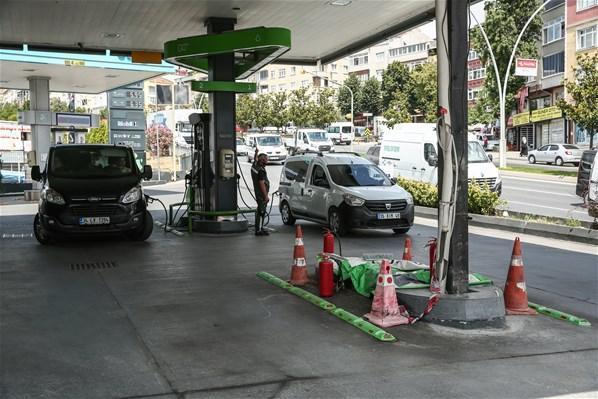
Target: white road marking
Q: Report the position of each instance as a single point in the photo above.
(525, 238)
(537, 180)
(548, 207)
(539, 191)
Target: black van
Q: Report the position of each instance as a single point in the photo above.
(583, 172)
(91, 189)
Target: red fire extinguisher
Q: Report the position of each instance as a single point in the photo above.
(326, 281)
(328, 242)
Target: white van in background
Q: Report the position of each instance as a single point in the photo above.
(309, 140)
(341, 132)
(410, 150)
(270, 144)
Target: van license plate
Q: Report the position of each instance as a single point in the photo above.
(393, 215)
(96, 220)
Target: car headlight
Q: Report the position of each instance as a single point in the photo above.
(52, 196)
(132, 195)
(409, 199)
(353, 200)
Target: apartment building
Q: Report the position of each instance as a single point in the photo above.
(582, 27)
(476, 76)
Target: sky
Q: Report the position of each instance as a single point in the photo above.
(477, 10)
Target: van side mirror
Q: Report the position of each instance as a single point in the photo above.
(393, 180)
(147, 172)
(36, 174)
(432, 160)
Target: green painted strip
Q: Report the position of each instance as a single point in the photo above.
(557, 314)
(363, 325)
(342, 314)
(212, 86)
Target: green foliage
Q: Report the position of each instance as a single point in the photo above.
(395, 79)
(371, 97)
(244, 113)
(424, 90)
(344, 96)
(278, 109)
(398, 109)
(583, 107)
(480, 199)
(261, 111)
(161, 132)
(299, 107)
(478, 113)
(323, 110)
(8, 111)
(98, 135)
(504, 21)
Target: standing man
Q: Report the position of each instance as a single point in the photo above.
(261, 187)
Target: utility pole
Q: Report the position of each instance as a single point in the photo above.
(174, 168)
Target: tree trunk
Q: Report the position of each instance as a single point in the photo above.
(591, 138)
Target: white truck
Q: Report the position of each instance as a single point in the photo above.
(410, 150)
(341, 132)
(309, 140)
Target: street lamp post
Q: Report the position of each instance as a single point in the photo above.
(502, 92)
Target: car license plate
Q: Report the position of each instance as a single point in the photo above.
(96, 220)
(392, 215)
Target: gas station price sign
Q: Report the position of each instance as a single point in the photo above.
(127, 120)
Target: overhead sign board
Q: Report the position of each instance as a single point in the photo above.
(547, 113)
(521, 119)
(76, 120)
(127, 119)
(526, 67)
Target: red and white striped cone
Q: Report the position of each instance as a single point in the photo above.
(515, 289)
(299, 269)
(386, 311)
(407, 250)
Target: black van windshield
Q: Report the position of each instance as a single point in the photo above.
(84, 162)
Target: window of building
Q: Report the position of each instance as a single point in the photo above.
(282, 73)
(333, 67)
(360, 60)
(410, 49)
(264, 88)
(293, 71)
(412, 65)
(293, 85)
(282, 87)
(553, 64)
(363, 76)
(478, 73)
(380, 56)
(553, 30)
(379, 73)
(263, 75)
(586, 38)
(585, 4)
(345, 68)
(473, 55)
(304, 83)
(473, 94)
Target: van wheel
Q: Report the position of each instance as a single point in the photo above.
(558, 161)
(145, 231)
(285, 213)
(337, 223)
(39, 232)
(532, 159)
(401, 231)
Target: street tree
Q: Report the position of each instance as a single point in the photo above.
(344, 95)
(424, 90)
(398, 109)
(245, 112)
(323, 110)
(158, 132)
(395, 78)
(582, 102)
(479, 112)
(8, 111)
(371, 97)
(98, 135)
(262, 113)
(504, 21)
(278, 109)
(300, 107)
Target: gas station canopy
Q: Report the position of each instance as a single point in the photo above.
(321, 30)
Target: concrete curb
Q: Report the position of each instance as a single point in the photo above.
(578, 234)
(538, 176)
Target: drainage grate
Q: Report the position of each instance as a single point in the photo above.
(93, 265)
(16, 236)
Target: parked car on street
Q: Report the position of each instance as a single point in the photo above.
(91, 189)
(583, 173)
(343, 191)
(373, 154)
(242, 149)
(558, 154)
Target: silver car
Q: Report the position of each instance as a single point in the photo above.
(557, 153)
(343, 191)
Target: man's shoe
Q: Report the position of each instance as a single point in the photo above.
(262, 233)
(265, 233)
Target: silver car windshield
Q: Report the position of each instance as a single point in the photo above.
(475, 153)
(269, 141)
(358, 175)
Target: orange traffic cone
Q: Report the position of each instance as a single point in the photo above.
(515, 290)
(386, 311)
(407, 250)
(299, 268)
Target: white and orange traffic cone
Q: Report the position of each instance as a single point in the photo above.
(515, 290)
(386, 311)
(407, 250)
(299, 269)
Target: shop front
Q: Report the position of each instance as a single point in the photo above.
(549, 126)
(522, 128)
